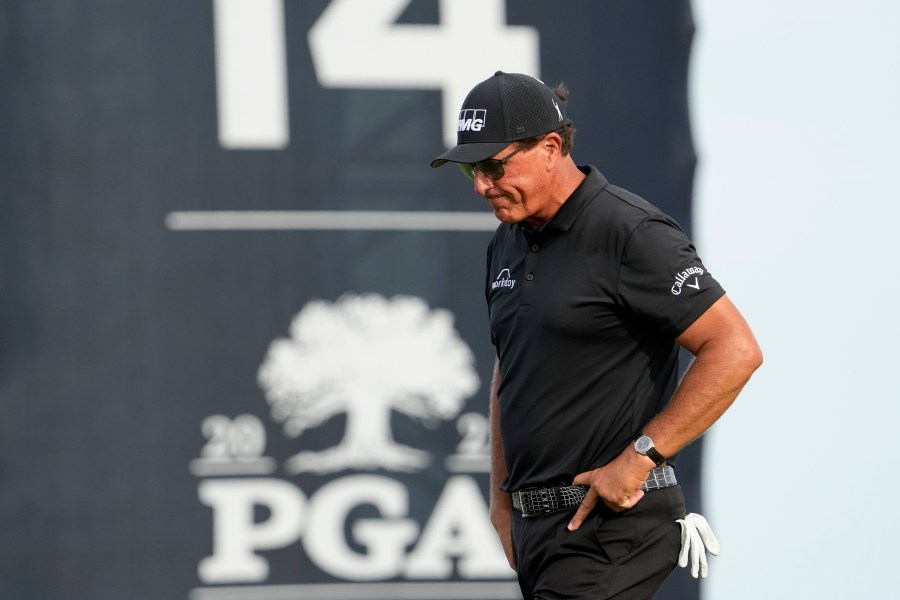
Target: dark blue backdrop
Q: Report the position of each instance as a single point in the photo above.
(122, 334)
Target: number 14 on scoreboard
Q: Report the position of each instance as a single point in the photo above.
(356, 44)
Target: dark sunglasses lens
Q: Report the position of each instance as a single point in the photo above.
(491, 167)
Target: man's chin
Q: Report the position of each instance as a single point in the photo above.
(504, 216)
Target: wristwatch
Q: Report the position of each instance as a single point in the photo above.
(644, 445)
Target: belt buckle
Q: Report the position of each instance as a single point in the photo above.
(533, 507)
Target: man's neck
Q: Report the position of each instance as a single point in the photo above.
(560, 187)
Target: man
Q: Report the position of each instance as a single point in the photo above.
(590, 290)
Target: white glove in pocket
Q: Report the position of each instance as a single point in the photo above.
(697, 538)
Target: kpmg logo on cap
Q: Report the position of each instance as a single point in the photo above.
(471, 119)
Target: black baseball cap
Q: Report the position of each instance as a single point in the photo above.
(500, 110)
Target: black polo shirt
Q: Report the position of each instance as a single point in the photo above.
(583, 314)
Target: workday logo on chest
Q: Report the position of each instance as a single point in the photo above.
(504, 280)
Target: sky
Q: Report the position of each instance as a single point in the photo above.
(796, 117)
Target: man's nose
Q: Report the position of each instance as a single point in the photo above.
(482, 183)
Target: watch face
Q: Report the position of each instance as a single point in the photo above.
(643, 444)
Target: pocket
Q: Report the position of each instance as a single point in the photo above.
(617, 535)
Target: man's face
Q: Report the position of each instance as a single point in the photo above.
(520, 195)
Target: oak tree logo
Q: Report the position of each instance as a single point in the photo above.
(366, 355)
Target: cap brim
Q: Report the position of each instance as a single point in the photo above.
(469, 153)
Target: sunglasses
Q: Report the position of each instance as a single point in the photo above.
(491, 167)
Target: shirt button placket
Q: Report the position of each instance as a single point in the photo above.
(531, 248)
(530, 264)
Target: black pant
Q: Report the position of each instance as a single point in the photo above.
(621, 556)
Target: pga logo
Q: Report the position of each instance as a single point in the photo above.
(471, 119)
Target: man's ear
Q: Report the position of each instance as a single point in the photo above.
(552, 145)
(554, 141)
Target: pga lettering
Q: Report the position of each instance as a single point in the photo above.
(458, 529)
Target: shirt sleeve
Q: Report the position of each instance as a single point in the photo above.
(662, 280)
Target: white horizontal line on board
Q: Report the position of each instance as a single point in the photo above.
(331, 220)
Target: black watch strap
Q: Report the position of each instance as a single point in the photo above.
(655, 456)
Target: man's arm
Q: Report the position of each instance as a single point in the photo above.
(726, 355)
(501, 503)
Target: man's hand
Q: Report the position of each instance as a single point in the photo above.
(617, 484)
(501, 518)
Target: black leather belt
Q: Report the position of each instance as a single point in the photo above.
(533, 502)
